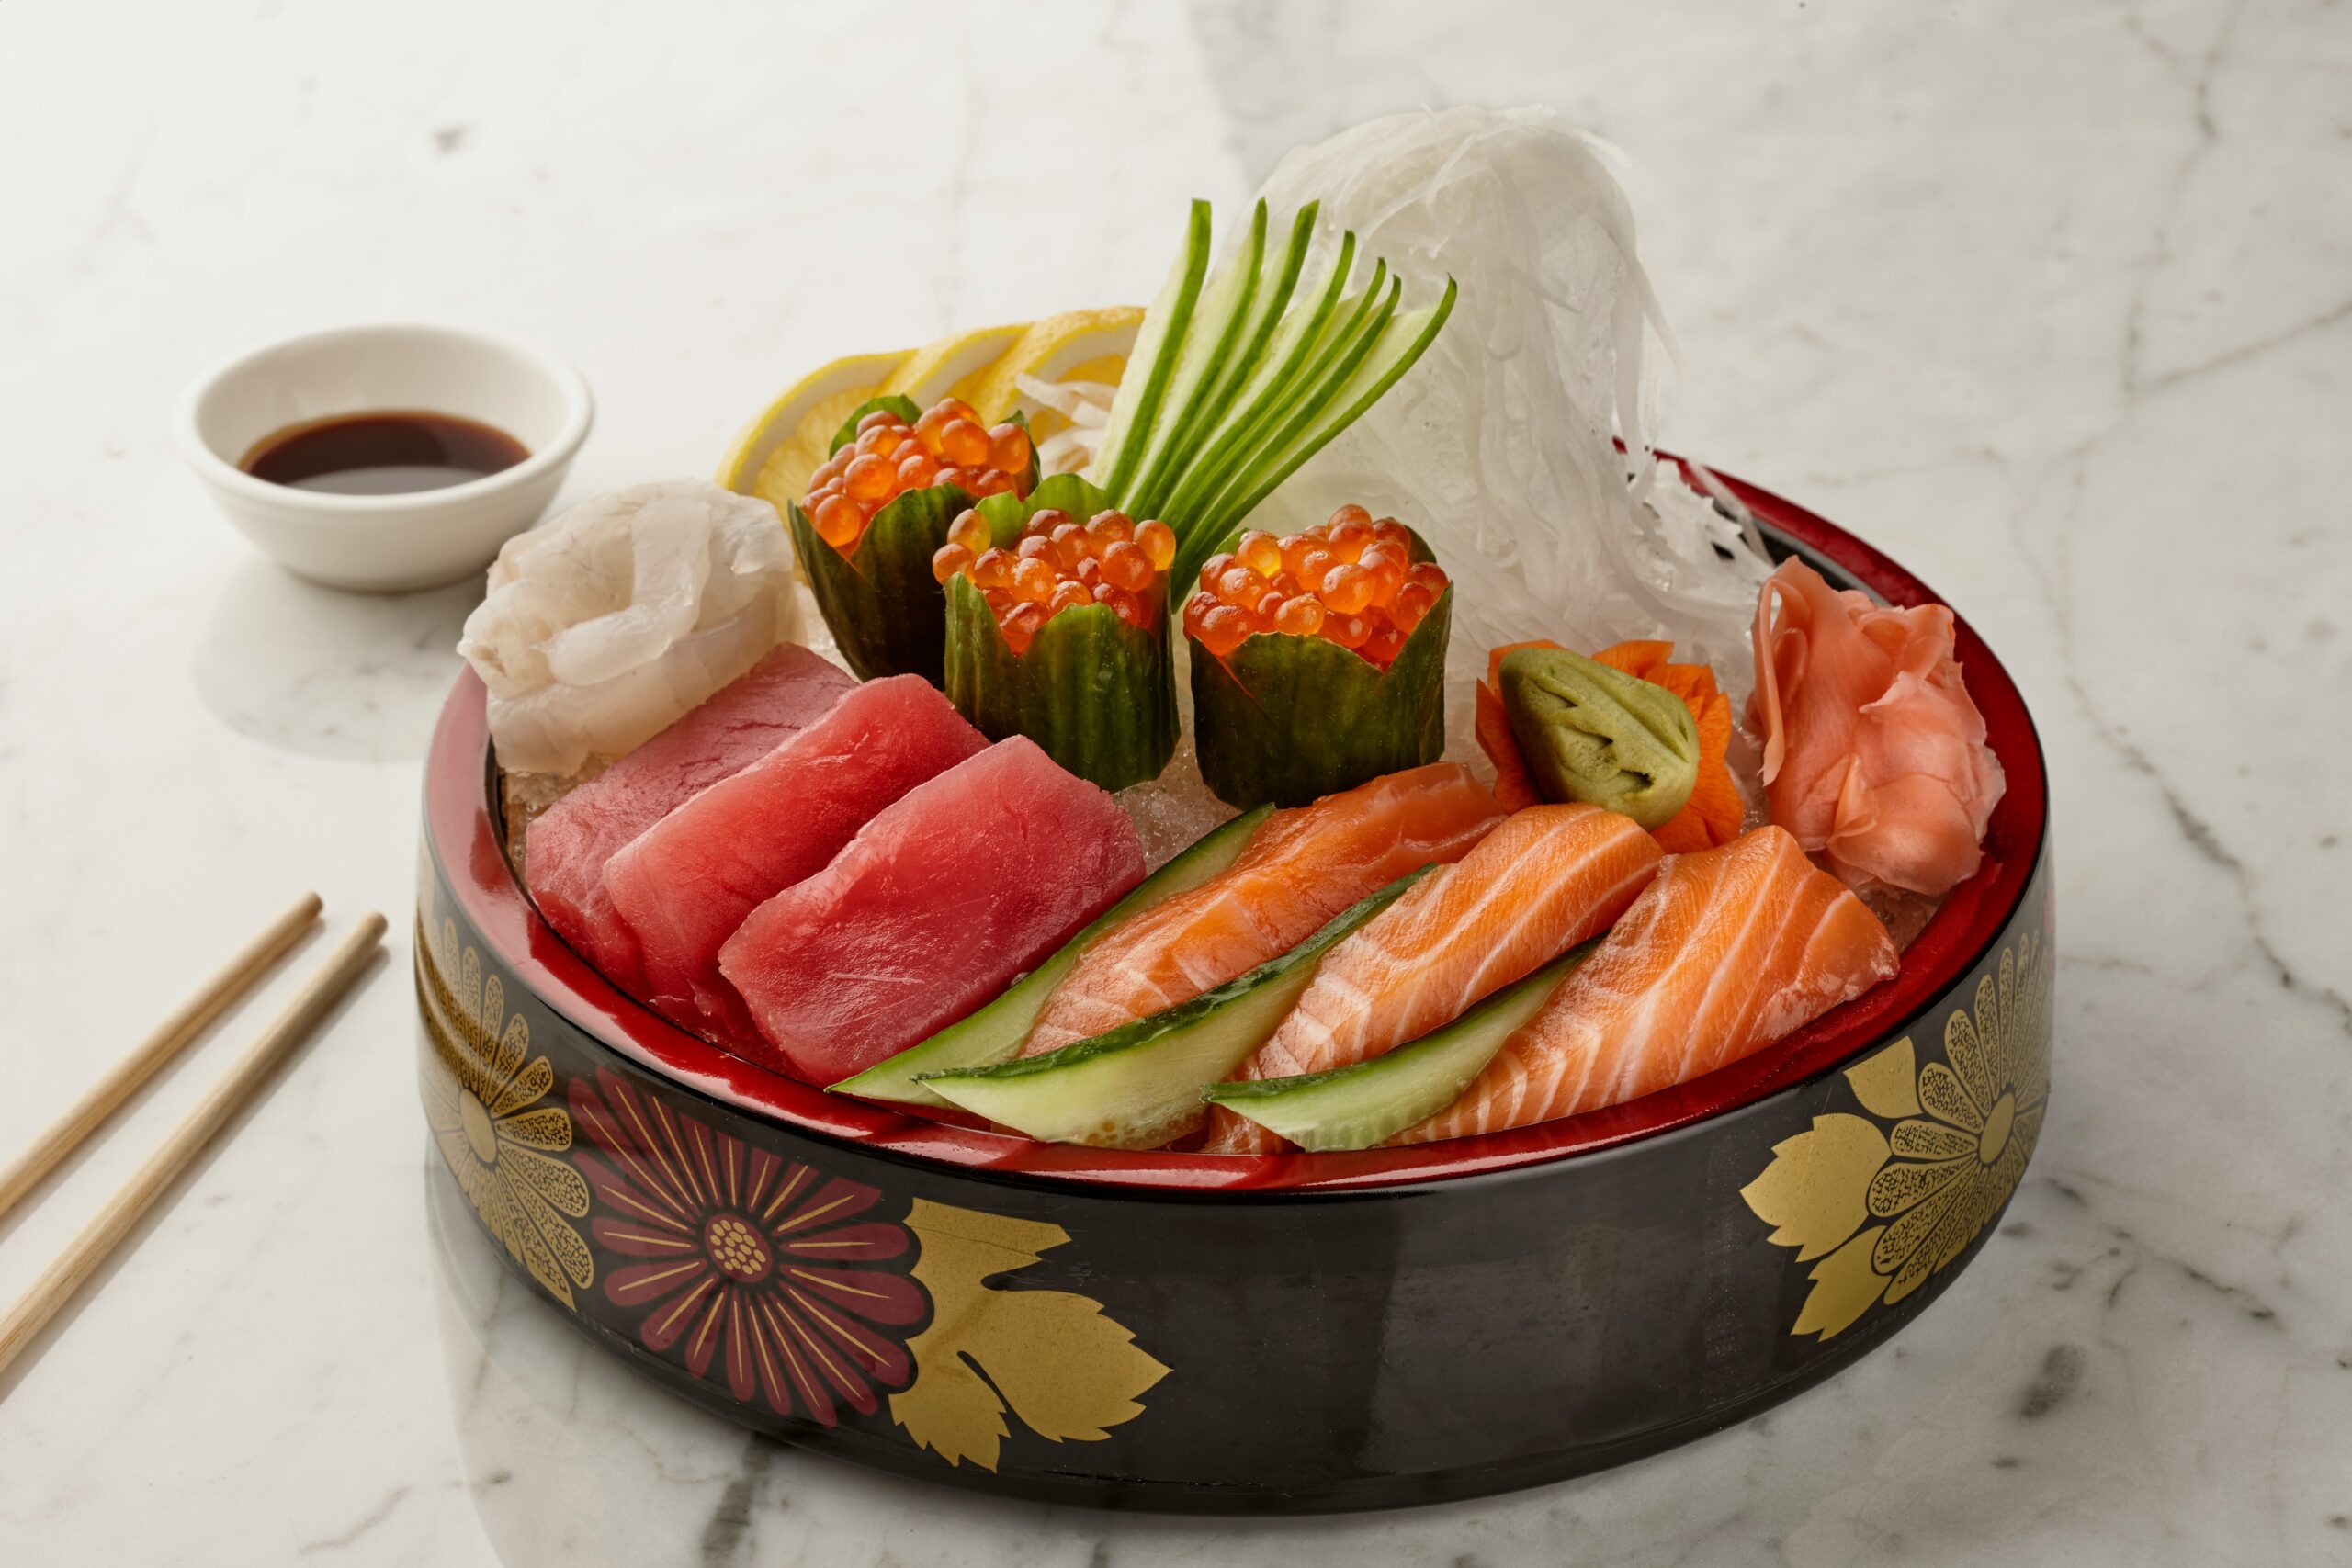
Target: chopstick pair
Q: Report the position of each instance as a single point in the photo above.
(237, 1088)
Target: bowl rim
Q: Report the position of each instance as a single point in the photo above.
(466, 841)
(571, 385)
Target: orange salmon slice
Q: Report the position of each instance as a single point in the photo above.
(1303, 866)
(1550, 877)
(1727, 950)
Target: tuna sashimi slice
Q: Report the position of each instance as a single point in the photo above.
(931, 909)
(684, 884)
(1302, 868)
(566, 848)
(1550, 877)
(1728, 950)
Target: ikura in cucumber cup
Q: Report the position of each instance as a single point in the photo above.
(1319, 659)
(1058, 629)
(878, 510)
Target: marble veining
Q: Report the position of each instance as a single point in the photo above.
(2050, 301)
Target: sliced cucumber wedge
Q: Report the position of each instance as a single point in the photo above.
(1267, 311)
(1368, 1103)
(1220, 319)
(1403, 339)
(1151, 363)
(996, 1032)
(1257, 405)
(1139, 1086)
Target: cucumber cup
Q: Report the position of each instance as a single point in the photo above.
(885, 608)
(1287, 717)
(1096, 691)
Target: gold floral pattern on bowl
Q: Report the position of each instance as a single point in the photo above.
(1888, 1197)
(486, 1099)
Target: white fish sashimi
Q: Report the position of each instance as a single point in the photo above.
(604, 626)
(1499, 444)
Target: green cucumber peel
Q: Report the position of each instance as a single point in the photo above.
(1223, 310)
(1273, 301)
(1235, 383)
(1258, 403)
(886, 609)
(1139, 1085)
(1007, 514)
(1404, 341)
(996, 1032)
(1158, 345)
(1096, 694)
(1335, 366)
(1289, 719)
(1366, 1103)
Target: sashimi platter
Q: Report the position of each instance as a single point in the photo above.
(1249, 904)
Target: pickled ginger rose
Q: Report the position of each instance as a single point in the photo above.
(1873, 754)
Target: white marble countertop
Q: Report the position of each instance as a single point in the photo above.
(2050, 301)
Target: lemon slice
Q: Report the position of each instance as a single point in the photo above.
(1076, 346)
(777, 452)
(951, 365)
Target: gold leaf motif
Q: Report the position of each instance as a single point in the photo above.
(1811, 1192)
(1844, 1286)
(1067, 1372)
(1888, 1084)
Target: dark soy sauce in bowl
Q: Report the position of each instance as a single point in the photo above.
(389, 452)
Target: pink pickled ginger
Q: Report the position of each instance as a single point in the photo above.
(1875, 755)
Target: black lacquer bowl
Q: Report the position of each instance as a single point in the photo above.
(1295, 1332)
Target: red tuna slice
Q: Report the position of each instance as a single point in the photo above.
(566, 848)
(934, 907)
(684, 884)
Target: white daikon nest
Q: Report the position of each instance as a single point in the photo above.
(1498, 444)
(604, 627)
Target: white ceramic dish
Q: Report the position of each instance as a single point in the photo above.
(387, 542)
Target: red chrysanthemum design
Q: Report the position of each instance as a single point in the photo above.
(759, 1265)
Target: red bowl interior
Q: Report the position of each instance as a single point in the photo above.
(457, 816)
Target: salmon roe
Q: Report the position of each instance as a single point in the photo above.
(1352, 580)
(946, 446)
(1060, 563)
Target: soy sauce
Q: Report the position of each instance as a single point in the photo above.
(390, 452)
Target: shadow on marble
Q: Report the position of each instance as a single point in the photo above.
(352, 677)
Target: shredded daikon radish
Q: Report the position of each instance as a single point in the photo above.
(1087, 406)
(1499, 446)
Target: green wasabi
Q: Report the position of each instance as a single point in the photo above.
(1596, 733)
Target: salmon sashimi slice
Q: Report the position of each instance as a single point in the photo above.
(1874, 754)
(1302, 868)
(1550, 877)
(1727, 950)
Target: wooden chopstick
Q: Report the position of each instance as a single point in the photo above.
(237, 1087)
(171, 1037)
